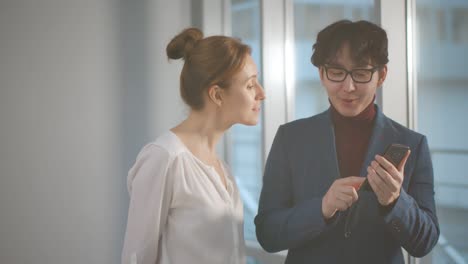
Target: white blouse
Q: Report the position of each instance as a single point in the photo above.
(180, 212)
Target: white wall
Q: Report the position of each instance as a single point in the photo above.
(172, 17)
(72, 119)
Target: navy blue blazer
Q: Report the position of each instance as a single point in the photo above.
(300, 168)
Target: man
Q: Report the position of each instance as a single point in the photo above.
(316, 167)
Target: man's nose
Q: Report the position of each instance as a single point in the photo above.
(348, 84)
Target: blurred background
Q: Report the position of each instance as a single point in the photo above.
(85, 84)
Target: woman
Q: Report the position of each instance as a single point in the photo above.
(184, 203)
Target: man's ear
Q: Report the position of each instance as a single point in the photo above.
(321, 70)
(215, 95)
(382, 75)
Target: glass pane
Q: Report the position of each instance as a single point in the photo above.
(442, 80)
(310, 16)
(245, 142)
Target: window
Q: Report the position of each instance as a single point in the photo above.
(442, 93)
(442, 49)
(460, 25)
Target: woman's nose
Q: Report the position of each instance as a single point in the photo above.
(260, 93)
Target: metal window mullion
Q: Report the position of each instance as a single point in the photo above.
(290, 63)
(273, 69)
(411, 35)
(395, 88)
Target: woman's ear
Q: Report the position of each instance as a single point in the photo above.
(215, 95)
(382, 75)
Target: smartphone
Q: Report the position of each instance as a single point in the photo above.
(394, 153)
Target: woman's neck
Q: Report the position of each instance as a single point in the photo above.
(200, 132)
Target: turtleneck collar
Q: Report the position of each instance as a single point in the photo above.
(352, 136)
(367, 116)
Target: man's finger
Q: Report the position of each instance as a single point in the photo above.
(403, 162)
(354, 181)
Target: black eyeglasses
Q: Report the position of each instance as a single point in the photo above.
(337, 74)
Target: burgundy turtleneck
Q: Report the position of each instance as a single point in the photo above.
(352, 136)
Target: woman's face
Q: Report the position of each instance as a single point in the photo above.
(242, 100)
(348, 97)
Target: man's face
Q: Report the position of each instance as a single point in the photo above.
(349, 97)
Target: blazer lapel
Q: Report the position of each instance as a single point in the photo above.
(380, 139)
(330, 144)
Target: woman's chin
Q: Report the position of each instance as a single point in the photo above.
(251, 122)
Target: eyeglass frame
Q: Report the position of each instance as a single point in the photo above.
(372, 70)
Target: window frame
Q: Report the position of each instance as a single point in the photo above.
(278, 70)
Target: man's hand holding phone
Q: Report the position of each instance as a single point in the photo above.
(385, 175)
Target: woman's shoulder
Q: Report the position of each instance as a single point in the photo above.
(168, 143)
(165, 148)
(156, 158)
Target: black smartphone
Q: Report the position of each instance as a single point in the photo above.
(393, 153)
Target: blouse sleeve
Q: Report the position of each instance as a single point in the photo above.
(150, 196)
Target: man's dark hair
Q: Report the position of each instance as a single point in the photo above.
(367, 42)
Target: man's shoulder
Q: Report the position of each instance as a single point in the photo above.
(402, 133)
(303, 123)
(401, 129)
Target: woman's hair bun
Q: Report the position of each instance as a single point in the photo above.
(181, 45)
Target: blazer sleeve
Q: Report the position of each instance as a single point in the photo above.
(150, 194)
(282, 224)
(412, 220)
